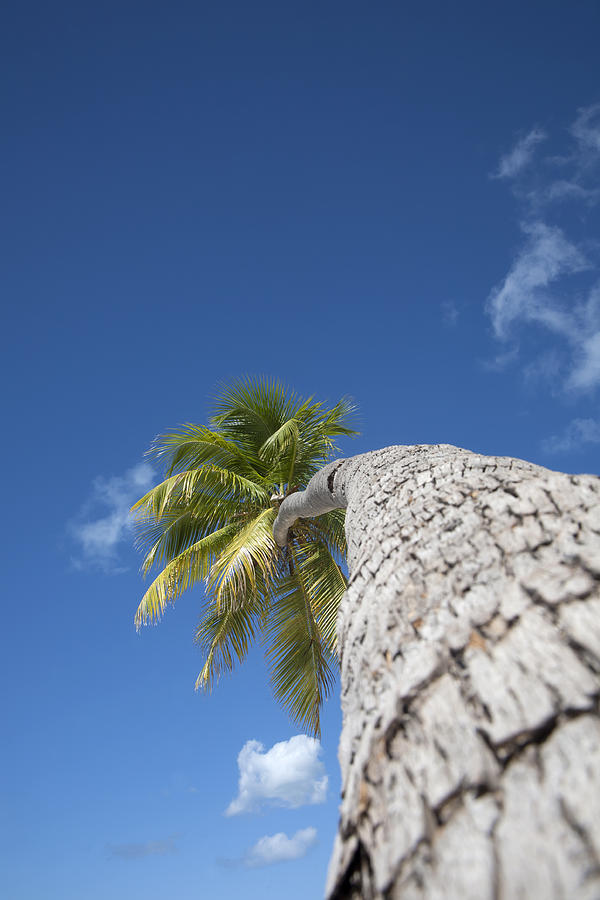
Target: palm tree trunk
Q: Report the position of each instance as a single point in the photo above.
(469, 643)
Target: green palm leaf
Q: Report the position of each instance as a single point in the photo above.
(195, 445)
(286, 435)
(181, 526)
(251, 552)
(225, 637)
(219, 483)
(301, 664)
(325, 585)
(189, 567)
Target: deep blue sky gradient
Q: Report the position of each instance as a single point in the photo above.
(193, 192)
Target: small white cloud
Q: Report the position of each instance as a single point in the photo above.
(98, 536)
(577, 433)
(289, 774)
(279, 847)
(521, 155)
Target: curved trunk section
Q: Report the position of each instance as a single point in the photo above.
(470, 657)
(321, 495)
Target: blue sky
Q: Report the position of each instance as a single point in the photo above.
(399, 202)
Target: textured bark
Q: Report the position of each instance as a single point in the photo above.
(470, 657)
(319, 497)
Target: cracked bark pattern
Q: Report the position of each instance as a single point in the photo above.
(470, 657)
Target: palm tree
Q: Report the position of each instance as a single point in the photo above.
(469, 641)
(211, 521)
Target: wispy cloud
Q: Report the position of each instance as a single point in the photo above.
(140, 851)
(450, 313)
(562, 190)
(573, 176)
(520, 156)
(289, 774)
(586, 372)
(546, 368)
(552, 281)
(576, 434)
(546, 257)
(279, 847)
(502, 360)
(104, 524)
(586, 131)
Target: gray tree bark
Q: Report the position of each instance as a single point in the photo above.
(469, 642)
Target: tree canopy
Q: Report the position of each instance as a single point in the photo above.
(210, 520)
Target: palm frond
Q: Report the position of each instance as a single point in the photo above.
(250, 555)
(331, 528)
(195, 445)
(181, 526)
(225, 636)
(215, 481)
(301, 664)
(248, 411)
(187, 569)
(281, 450)
(325, 585)
(339, 419)
(281, 440)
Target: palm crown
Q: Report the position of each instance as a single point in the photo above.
(211, 520)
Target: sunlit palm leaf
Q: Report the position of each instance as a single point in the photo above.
(301, 667)
(249, 413)
(281, 440)
(188, 568)
(281, 450)
(251, 552)
(183, 487)
(225, 636)
(325, 586)
(330, 528)
(181, 526)
(195, 445)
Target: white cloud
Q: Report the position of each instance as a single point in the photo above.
(521, 155)
(98, 537)
(586, 373)
(563, 189)
(545, 286)
(279, 847)
(289, 774)
(528, 294)
(571, 177)
(577, 433)
(546, 257)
